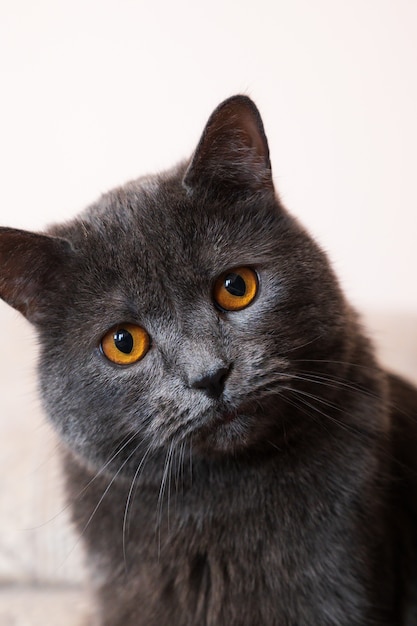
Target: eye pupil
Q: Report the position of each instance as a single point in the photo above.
(123, 341)
(235, 284)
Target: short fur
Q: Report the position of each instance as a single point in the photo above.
(288, 498)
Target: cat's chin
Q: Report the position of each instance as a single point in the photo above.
(234, 431)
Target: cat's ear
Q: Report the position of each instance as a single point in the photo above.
(232, 155)
(31, 266)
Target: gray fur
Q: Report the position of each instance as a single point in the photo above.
(300, 510)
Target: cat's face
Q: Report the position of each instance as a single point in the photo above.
(184, 307)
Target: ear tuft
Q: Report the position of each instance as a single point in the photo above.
(232, 155)
(30, 266)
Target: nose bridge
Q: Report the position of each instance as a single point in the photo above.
(201, 357)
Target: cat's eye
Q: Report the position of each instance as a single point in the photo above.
(125, 344)
(236, 289)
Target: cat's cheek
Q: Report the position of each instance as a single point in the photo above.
(93, 405)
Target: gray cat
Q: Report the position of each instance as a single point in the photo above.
(234, 455)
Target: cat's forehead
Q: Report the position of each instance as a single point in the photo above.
(154, 224)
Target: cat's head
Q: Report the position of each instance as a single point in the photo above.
(180, 307)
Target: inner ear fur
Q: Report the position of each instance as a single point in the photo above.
(232, 155)
(31, 266)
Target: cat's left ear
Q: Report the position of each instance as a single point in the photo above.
(32, 268)
(232, 155)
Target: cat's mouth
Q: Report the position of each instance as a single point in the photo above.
(235, 429)
(248, 409)
(228, 429)
(243, 413)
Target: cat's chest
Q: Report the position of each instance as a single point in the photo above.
(241, 515)
(213, 541)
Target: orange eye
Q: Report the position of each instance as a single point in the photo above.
(236, 289)
(125, 344)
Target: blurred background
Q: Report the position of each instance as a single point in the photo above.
(94, 93)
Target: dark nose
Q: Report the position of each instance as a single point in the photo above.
(212, 383)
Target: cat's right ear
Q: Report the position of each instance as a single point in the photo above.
(232, 157)
(31, 268)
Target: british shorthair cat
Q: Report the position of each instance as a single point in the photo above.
(233, 453)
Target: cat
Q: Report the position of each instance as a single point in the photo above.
(233, 453)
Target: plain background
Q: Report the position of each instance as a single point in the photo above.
(93, 93)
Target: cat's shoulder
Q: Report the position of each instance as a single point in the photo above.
(403, 409)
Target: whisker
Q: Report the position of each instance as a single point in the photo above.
(292, 402)
(191, 462)
(326, 415)
(329, 381)
(125, 517)
(166, 471)
(335, 381)
(347, 427)
(90, 482)
(179, 474)
(335, 362)
(303, 345)
(384, 453)
(81, 534)
(312, 396)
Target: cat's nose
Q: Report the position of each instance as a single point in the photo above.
(213, 382)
